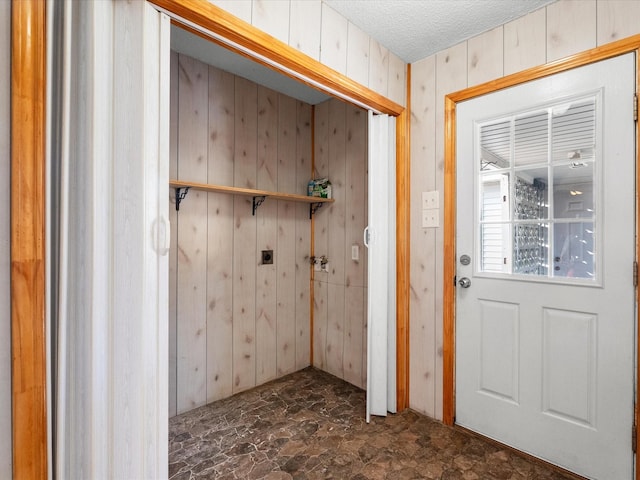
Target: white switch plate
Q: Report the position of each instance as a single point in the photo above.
(355, 252)
(430, 200)
(430, 218)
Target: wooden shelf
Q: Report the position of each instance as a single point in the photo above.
(258, 195)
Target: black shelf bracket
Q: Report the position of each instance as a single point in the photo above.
(313, 208)
(181, 192)
(257, 201)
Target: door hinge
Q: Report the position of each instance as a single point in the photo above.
(635, 273)
(634, 438)
(635, 107)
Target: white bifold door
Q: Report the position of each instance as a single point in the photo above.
(545, 240)
(380, 241)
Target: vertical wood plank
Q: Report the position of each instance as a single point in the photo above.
(220, 236)
(321, 235)
(357, 55)
(28, 95)
(525, 42)
(336, 248)
(451, 75)
(272, 17)
(304, 26)
(355, 201)
(378, 68)
(422, 375)
(617, 19)
(397, 83)
(267, 236)
(285, 255)
(173, 252)
(571, 28)
(303, 235)
(5, 234)
(192, 236)
(486, 57)
(244, 264)
(333, 39)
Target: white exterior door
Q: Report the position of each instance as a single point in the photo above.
(380, 241)
(545, 250)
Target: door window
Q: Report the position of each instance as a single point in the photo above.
(537, 173)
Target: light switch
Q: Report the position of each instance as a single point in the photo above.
(430, 200)
(355, 252)
(430, 218)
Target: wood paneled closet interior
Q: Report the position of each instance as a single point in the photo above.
(235, 323)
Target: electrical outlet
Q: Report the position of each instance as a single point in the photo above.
(430, 200)
(430, 218)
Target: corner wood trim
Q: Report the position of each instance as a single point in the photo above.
(28, 126)
(627, 45)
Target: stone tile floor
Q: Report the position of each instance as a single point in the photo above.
(310, 425)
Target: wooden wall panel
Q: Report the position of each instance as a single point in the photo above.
(321, 235)
(272, 17)
(397, 83)
(267, 235)
(525, 42)
(333, 39)
(251, 321)
(173, 220)
(192, 247)
(286, 241)
(220, 236)
(379, 67)
(244, 259)
(5, 311)
(617, 19)
(423, 240)
(304, 26)
(357, 55)
(303, 236)
(339, 295)
(485, 56)
(571, 28)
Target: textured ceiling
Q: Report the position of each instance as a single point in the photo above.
(415, 29)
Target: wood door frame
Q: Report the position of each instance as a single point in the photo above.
(28, 160)
(628, 45)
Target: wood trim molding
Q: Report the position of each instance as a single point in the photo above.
(28, 337)
(216, 20)
(636, 408)
(627, 45)
(403, 248)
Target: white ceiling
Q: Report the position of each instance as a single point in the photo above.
(411, 29)
(416, 29)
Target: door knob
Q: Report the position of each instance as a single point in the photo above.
(464, 282)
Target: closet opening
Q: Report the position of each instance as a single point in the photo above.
(246, 141)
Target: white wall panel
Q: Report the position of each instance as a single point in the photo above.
(358, 55)
(272, 17)
(304, 26)
(5, 316)
(486, 56)
(571, 28)
(333, 39)
(525, 42)
(397, 83)
(617, 19)
(378, 67)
